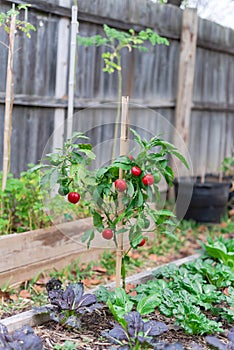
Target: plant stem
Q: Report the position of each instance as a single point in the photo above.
(118, 107)
(123, 273)
(2, 43)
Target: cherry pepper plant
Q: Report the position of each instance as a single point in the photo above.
(70, 169)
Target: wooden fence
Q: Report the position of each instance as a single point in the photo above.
(150, 79)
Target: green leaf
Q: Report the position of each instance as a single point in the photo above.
(149, 192)
(95, 40)
(140, 199)
(170, 222)
(180, 157)
(146, 223)
(77, 135)
(49, 178)
(130, 189)
(76, 158)
(148, 304)
(166, 311)
(165, 212)
(122, 230)
(88, 153)
(122, 303)
(123, 159)
(88, 236)
(141, 157)
(90, 181)
(102, 172)
(125, 200)
(163, 165)
(123, 166)
(135, 236)
(142, 221)
(38, 167)
(85, 146)
(117, 316)
(169, 171)
(97, 220)
(102, 294)
(137, 137)
(221, 254)
(122, 299)
(165, 144)
(23, 6)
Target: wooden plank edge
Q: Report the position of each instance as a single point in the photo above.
(53, 102)
(30, 318)
(27, 272)
(145, 276)
(34, 318)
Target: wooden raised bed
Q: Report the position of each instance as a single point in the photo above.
(32, 318)
(25, 255)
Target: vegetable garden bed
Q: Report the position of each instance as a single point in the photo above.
(90, 336)
(32, 318)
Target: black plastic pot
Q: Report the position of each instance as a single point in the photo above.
(208, 201)
(215, 178)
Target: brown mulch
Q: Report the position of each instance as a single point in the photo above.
(90, 338)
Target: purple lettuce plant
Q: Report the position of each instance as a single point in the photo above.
(215, 343)
(134, 333)
(69, 304)
(22, 339)
(73, 298)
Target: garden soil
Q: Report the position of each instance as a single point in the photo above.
(90, 338)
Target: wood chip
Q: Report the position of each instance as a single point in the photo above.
(25, 294)
(99, 269)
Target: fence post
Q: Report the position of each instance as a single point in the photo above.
(186, 75)
(71, 82)
(61, 78)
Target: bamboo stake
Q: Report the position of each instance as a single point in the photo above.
(118, 108)
(123, 151)
(71, 84)
(8, 104)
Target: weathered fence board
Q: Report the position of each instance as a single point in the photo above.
(149, 78)
(211, 139)
(186, 74)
